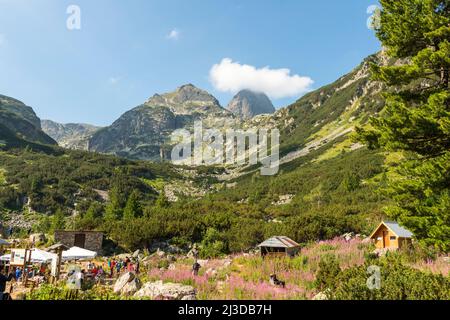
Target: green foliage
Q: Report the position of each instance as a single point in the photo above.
(161, 201)
(398, 282)
(212, 245)
(58, 221)
(58, 293)
(416, 120)
(133, 208)
(92, 219)
(328, 272)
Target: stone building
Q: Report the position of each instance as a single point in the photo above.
(90, 240)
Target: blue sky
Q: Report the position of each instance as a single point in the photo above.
(126, 51)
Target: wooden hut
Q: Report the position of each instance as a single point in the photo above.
(390, 235)
(279, 246)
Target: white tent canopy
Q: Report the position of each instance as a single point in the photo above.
(76, 253)
(37, 256)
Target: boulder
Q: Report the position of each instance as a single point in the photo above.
(348, 236)
(172, 267)
(127, 284)
(131, 288)
(136, 254)
(171, 258)
(160, 253)
(203, 263)
(166, 291)
(321, 296)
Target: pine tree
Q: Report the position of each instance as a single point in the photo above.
(416, 120)
(113, 210)
(161, 201)
(92, 218)
(133, 208)
(58, 221)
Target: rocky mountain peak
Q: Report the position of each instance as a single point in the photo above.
(186, 94)
(248, 104)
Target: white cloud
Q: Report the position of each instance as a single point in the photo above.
(229, 76)
(173, 35)
(114, 80)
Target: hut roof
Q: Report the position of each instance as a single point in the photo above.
(398, 230)
(279, 242)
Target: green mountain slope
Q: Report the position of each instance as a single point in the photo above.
(324, 188)
(22, 121)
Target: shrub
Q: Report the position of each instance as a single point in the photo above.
(398, 282)
(328, 272)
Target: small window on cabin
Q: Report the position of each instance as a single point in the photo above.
(393, 237)
(379, 238)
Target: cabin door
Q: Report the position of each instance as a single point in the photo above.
(80, 240)
(386, 239)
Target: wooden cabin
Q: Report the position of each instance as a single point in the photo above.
(279, 246)
(390, 235)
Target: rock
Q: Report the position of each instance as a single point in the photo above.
(248, 104)
(131, 288)
(136, 254)
(320, 296)
(166, 291)
(171, 258)
(203, 263)
(348, 236)
(160, 253)
(127, 284)
(211, 272)
(284, 199)
(70, 136)
(383, 252)
(227, 263)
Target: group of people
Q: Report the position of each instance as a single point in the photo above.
(117, 266)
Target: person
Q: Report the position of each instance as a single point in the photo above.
(112, 267)
(138, 265)
(18, 274)
(195, 268)
(100, 274)
(3, 280)
(130, 267)
(118, 267)
(94, 271)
